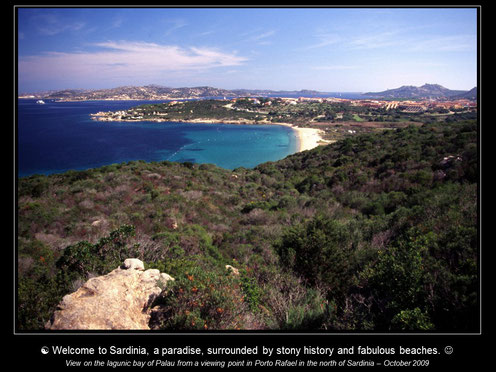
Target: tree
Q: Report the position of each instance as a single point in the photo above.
(321, 253)
(396, 282)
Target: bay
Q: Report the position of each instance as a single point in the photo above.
(61, 136)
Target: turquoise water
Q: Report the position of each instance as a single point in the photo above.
(232, 146)
(60, 136)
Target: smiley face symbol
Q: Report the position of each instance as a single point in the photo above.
(45, 350)
(448, 349)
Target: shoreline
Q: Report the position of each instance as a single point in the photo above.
(308, 138)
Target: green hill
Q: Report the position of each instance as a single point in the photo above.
(424, 91)
(375, 232)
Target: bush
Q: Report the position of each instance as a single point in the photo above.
(33, 186)
(42, 290)
(321, 253)
(107, 254)
(412, 320)
(201, 300)
(251, 290)
(309, 313)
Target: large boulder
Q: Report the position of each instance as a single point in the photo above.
(119, 300)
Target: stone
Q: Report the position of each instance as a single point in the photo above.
(120, 300)
(165, 277)
(155, 176)
(133, 264)
(232, 269)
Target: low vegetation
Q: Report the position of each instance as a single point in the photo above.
(374, 232)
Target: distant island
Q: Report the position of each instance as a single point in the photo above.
(157, 92)
(425, 91)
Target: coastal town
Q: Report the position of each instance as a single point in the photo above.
(323, 117)
(262, 105)
(327, 119)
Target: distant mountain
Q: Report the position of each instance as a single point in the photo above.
(471, 94)
(148, 92)
(157, 92)
(425, 91)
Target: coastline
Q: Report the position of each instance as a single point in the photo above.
(308, 138)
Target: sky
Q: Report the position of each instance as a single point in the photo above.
(324, 49)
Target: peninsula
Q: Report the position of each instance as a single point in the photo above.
(235, 111)
(159, 92)
(315, 120)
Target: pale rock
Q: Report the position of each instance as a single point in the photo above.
(232, 269)
(165, 277)
(133, 264)
(99, 222)
(171, 223)
(120, 300)
(155, 176)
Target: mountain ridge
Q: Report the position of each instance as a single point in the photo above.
(158, 92)
(424, 91)
(154, 91)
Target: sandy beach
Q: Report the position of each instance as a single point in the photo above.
(308, 138)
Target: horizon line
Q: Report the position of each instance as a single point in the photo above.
(228, 89)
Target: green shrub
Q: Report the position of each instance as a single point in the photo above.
(107, 254)
(33, 186)
(321, 253)
(312, 312)
(251, 290)
(201, 300)
(412, 320)
(41, 291)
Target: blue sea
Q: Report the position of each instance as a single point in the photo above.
(60, 136)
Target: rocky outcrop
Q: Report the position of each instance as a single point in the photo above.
(232, 270)
(119, 300)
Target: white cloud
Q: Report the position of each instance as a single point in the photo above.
(406, 39)
(51, 30)
(263, 35)
(175, 24)
(336, 67)
(258, 37)
(123, 59)
(50, 24)
(116, 22)
(455, 43)
(378, 40)
(325, 39)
